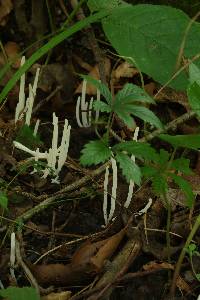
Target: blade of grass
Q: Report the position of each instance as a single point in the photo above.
(51, 44)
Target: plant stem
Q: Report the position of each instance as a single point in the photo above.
(182, 255)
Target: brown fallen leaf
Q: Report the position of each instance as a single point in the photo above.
(155, 266)
(58, 296)
(12, 51)
(91, 89)
(124, 70)
(87, 261)
(5, 8)
(107, 250)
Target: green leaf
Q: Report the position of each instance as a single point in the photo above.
(102, 106)
(103, 89)
(131, 93)
(182, 165)
(163, 157)
(185, 187)
(15, 293)
(95, 152)
(130, 170)
(159, 184)
(3, 200)
(138, 149)
(146, 115)
(191, 141)
(193, 93)
(194, 74)
(152, 35)
(148, 172)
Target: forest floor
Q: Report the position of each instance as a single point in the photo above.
(62, 243)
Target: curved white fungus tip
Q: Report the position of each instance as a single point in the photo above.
(131, 184)
(114, 189)
(105, 199)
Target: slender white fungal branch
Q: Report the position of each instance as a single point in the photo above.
(29, 106)
(131, 184)
(56, 156)
(84, 108)
(36, 127)
(21, 101)
(37, 154)
(114, 189)
(109, 217)
(146, 208)
(26, 106)
(105, 199)
(12, 255)
(97, 111)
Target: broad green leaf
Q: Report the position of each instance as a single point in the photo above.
(148, 172)
(159, 184)
(96, 5)
(130, 170)
(3, 200)
(185, 187)
(193, 93)
(131, 93)
(138, 149)
(15, 293)
(102, 106)
(104, 90)
(194, 74)
(95, 152)
(191, 141)
(146, 115)
(151, 35)
(124, 115)
(182, 165)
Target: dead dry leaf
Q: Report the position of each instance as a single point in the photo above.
(124, 70)
(157, 266)
(12, 50)
(5, 8)
(90, 89)
(58, 296)
(107, 250)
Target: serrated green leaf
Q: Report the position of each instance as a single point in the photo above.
(182, 165)
(191, 141)
(194, 74)
(185, 187)
(126, 118)
(130, 169)
(138, 149)
(152, 35)
(163, 157)
(146, 115)
(103, 89)
(193, 93)
(131, 93)
(15, 293)
(3, 200)
(101, 106)
(148, 171)
(159, 184)
(95, 152)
